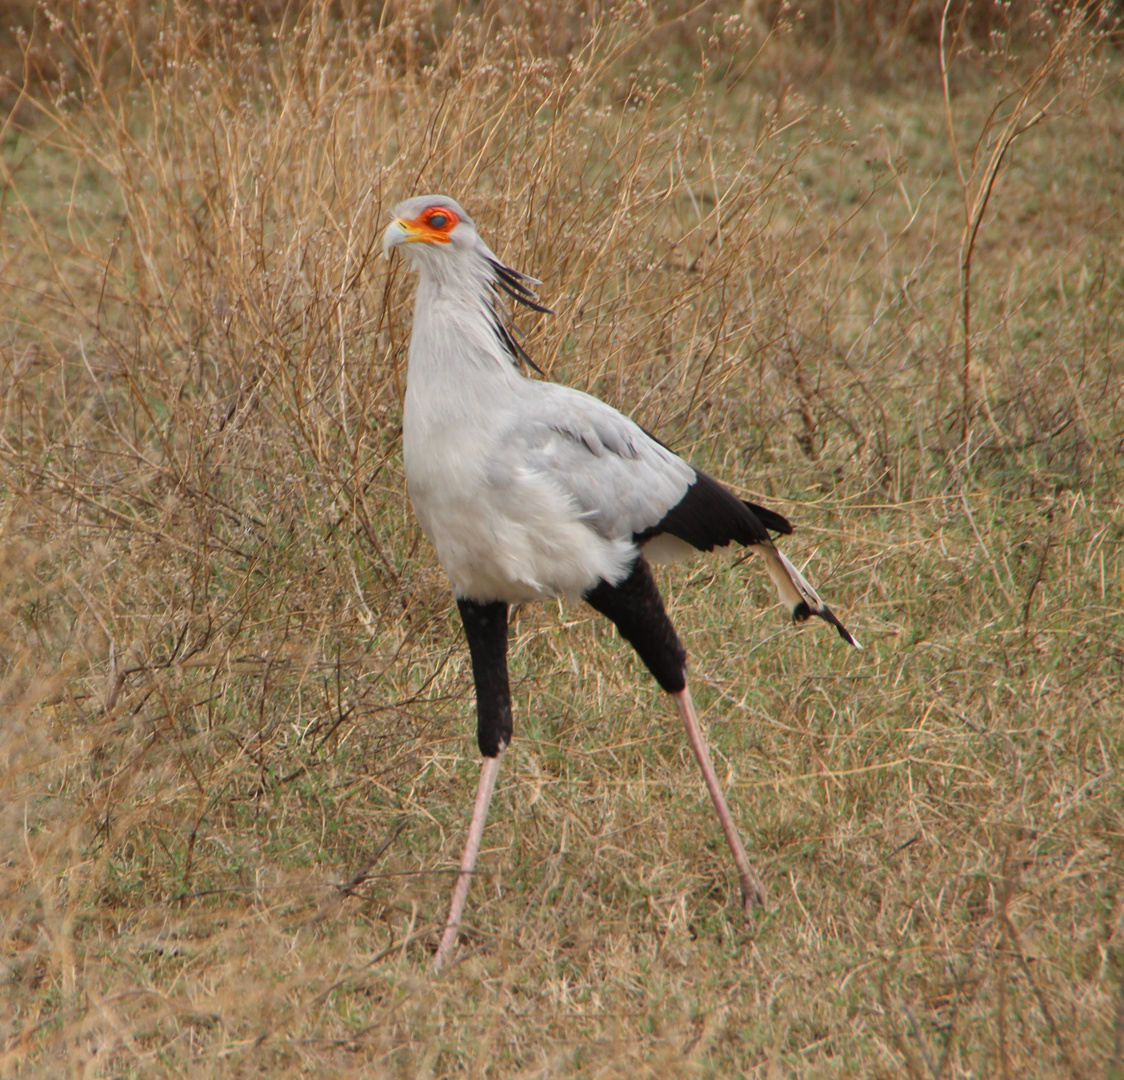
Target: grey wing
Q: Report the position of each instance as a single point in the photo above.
(627, 485)
(621, 480)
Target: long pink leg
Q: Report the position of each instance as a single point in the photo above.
(753, 891)
(488, 771)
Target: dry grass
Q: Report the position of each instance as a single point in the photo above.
(237, 713)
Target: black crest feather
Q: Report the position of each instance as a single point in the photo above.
(520, 288)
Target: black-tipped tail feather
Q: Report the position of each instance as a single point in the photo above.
(810, 602)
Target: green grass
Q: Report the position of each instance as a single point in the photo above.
(236, 749)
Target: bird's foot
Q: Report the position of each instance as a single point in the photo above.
(754, 897)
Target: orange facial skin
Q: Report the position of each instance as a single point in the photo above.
(431, 226)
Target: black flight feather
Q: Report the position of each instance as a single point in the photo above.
(709, 516)
(772, 521)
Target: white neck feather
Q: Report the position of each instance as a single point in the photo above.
(454, 334)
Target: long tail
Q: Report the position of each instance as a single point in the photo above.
(796, 593)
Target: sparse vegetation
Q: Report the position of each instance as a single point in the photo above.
(236, 726)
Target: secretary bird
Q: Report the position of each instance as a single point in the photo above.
(529, 490)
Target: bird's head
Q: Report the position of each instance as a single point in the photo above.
(443, 245)
(428, 226)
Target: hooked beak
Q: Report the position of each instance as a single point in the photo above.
(400, 232)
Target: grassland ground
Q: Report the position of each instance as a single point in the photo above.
(236, 746)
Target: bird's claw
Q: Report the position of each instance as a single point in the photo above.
(754, 897)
